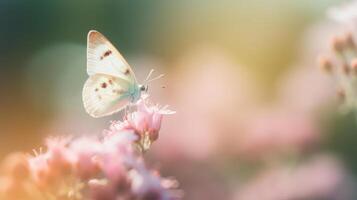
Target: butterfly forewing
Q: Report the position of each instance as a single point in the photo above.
(104, 95)
(103, 57)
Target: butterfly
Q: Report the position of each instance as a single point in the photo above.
(111, 85)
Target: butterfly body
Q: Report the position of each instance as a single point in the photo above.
(111, 85)
(135, 92)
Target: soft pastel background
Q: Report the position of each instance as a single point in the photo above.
(254, 114)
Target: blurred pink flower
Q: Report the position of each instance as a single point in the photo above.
(84, 151)
(322, 177)
(341, 65)
(58, 155)
(149, 185)
(303, 88)
(117, 156)
(39, 168)
(275, 132)
(340, 61)
(102, 189)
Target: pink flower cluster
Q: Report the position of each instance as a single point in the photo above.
(321, 177)
(341, 61)
(106, 168)
(145, 123)
(341, 64)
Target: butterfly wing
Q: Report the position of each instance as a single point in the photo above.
(107, 90)
(104, 95)
(104, 58)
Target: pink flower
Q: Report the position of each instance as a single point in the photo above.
(145, 122)
(148, 185)
(40, 170)
(274, 132)
(101, 189)
(55, 162)
(323, 177)
(340, 62)
(84, 151)
(341, 65)
(58, 154)
(147, 119)
(119, 140)
(117, 156)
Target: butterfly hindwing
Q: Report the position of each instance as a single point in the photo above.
(104, 58)
(104, 94)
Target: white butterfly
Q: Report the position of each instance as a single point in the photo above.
(111, 85)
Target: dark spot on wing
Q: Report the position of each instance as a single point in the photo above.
(110, 82)
(104, 85)
(127, 72)
(96, 89)
(107, 53)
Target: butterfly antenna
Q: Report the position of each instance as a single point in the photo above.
(153, 79)
(148, 76)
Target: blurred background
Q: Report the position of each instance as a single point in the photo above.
(255, 117)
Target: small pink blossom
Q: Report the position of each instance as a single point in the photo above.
(39, 168)
(147, 119)
(145, 122)
(340, 63)
(58, 154)
(84, 151)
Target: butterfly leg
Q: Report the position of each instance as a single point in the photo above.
(129, 109)
(126, 111)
